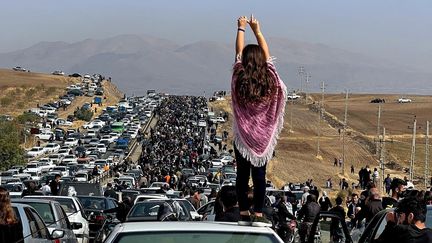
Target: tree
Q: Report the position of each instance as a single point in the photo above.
(83, 114)
(11, 153)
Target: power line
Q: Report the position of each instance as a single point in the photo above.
(320, 116)
(411, 169)
(344, 131)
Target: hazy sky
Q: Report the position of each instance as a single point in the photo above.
(400, 30)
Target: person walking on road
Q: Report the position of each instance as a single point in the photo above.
(258, 94)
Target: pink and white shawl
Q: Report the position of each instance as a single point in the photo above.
(257, 126)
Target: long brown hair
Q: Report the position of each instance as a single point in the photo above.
(7, 215)
(254, 82)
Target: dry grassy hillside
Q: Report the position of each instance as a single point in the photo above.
(296, 154)
(20, 91)
(395, 117)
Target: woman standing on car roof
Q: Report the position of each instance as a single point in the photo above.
(258, 101)
(10, 227)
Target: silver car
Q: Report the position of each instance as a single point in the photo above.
(186, 232)
(54, 217)
(34, 228)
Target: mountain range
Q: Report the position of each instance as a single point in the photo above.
(137, 63)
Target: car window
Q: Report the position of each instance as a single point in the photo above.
(63, 220)
(190, 236)
(44, 210)
(43, 231)
(67, 205)
(111, 204)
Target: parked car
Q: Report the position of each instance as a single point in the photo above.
(186, 232)
(94, 208)
(404, 100)
(35, 152)
(378, 223)
(58, 72)
(51, 148)
(34, 228)
(74, 212)
(45, 135)
(53, 216)
(20, 69)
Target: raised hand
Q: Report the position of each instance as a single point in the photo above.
(242, 22)
(254, 24)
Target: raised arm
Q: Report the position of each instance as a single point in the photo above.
(254, 24)
(241, 27)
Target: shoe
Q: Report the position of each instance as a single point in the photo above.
(245, 220)
(261, 222)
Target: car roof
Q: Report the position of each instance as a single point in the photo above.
(188, 226)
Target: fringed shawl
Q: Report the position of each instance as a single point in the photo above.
(257, 126)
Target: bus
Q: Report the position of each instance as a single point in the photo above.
(118, 127)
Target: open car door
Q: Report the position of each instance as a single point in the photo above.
(329, 227)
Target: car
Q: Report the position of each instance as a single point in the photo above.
(226, 159)
(33, 227)
(51, 148)
(56, 158)
(404, 100)
(293, 96)
(93, 123)
(63, 170)
(74, 212)
(185, 232)
(378, 223)
(35, 152)
(207, 211)
(217, 163)
(95, 208)
(53, 216)
(217, 139)
(20, 69)
(63, 122)
(71, 142)
(64, 151)
(202, 123)
(46, 135)
(377, 100)
(58, 72)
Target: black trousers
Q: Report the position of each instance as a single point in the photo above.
(244, 168)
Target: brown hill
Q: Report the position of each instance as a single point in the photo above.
(296, 154)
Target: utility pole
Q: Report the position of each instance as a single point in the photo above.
(320, 115)
(426, 172)
(378, 130)
(306, 86)
(291, 116)
(301, 72)
(411, 169)
(382, 159)
(344, 131)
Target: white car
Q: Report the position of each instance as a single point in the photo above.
(217, 163)
(107, 138)
(93, 123)
(202, 123)
(75, 213)
(56, 158)
(45, 135)
(51, 148)
(32, 167)
(35, 152)
(226, 159)
(190, 232)
(293, 96)
(64, 151)
(73, 86)
(101, 148)
(404, 100)
(71, 142)
(58, 72)
(63, 122)
(69, 159)
(66, 101)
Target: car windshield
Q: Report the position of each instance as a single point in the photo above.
(67, 205)
(92, 203)
(146, 209)
(191, 236)
(44, 210)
